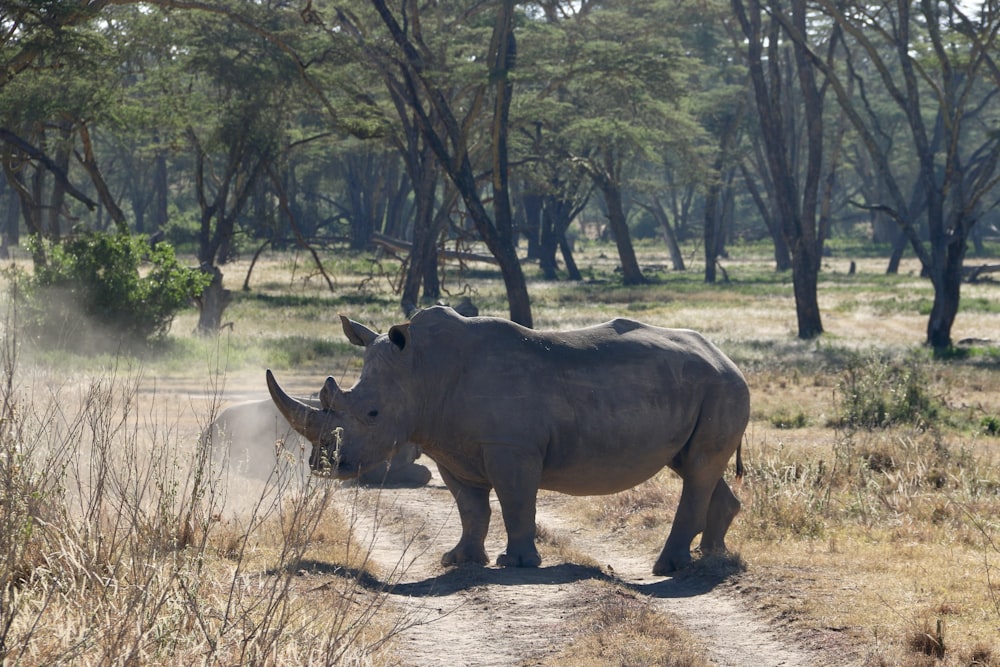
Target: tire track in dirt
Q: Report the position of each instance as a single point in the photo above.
(483, 617)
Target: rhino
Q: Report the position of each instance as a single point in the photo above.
(501, 407)
(243, 431)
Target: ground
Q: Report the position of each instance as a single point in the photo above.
(527, 616)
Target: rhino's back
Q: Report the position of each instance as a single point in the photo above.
(621, 354)
(619, 395)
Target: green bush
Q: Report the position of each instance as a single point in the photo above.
(112, 285)
(876, 393)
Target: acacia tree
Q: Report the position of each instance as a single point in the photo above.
(779, 85)
(717, 99)
(455, 102)
(54, 81)
(620, 76)
(938, 66)
(553, 190)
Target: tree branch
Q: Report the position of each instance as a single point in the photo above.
(34, 153)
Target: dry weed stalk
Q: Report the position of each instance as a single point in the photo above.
(115, 549)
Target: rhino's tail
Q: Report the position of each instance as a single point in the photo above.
(739, 461)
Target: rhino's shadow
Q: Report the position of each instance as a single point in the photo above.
(466, 577)
(682, 586)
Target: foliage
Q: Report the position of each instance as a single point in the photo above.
(876, 393)
(98, 280)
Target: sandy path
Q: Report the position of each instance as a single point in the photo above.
(476, 616)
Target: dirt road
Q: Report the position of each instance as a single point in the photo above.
(476, 616)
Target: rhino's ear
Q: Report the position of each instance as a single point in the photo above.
(400, 335)
(357, 333)
(330, 395)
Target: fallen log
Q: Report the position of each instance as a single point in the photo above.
(398, 246)
(971, 274)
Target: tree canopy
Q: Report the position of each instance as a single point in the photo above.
(226, 126)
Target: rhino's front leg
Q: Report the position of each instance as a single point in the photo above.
(474, 511)
(516, 477)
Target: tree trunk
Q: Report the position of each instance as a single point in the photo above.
(424, 239)
(782, 255)
(947, 280)
(89, 163)
(212, 303)
(160, 187)
(631, 273)
(359, 188)
(711, 229)
(532, 203)
(9, 226)
(58, 195)
(805, 274)
(549, 241)
(660, 214)
(898, 247)
(503, 51)
(572, 270)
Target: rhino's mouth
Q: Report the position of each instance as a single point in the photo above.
(326, 460)
(324, 463)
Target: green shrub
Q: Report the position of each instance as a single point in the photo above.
(92, 283)
(876, 393)
(784, 419)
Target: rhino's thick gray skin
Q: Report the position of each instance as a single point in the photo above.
(246, 434)
(498, 406)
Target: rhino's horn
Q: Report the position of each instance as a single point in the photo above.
(305, 419)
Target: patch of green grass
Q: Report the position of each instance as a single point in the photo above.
(295, 351)
(980, 305)
(990, 425)
(789, 419)
(856, 247)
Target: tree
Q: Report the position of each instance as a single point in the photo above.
(718, 100)
(938, 67)
(55, 80)
(796, 189)
(553, 190)
(620, 77)
(422, 77)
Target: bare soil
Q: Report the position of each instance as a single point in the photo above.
(493, 616)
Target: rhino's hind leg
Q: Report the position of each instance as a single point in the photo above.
(689, 520)
(474, 511)
(722, 509)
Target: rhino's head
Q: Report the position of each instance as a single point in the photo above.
(361, 427)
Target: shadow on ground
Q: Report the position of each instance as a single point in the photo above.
(700, 578)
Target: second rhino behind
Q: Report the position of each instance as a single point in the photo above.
(248, 436)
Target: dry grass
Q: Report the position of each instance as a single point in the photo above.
(868, 539)
(877, 539)
(620, 627)
(122, 542)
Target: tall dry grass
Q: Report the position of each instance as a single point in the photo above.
(888, 517)
(120, 542)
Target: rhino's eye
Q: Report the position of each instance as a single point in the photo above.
(373, 413)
